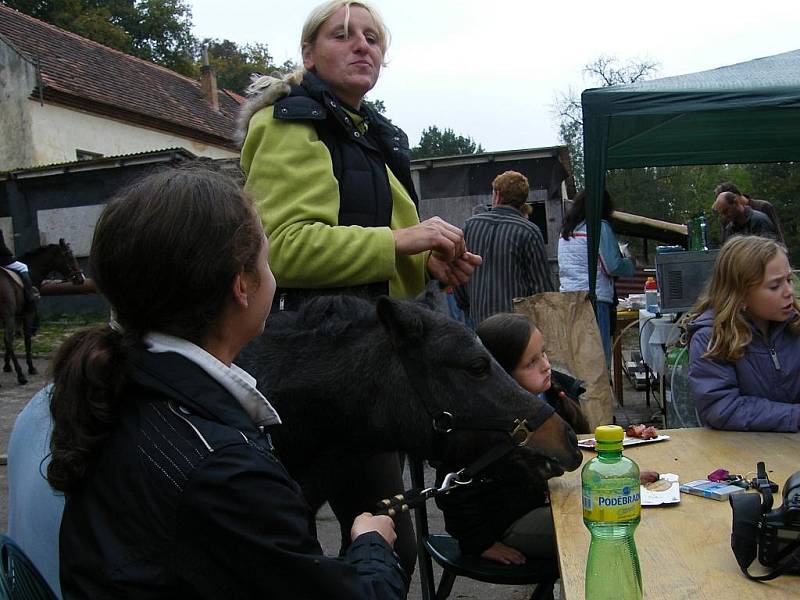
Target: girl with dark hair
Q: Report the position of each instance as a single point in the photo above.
(573, 262)
(161, 444)
(500, 518)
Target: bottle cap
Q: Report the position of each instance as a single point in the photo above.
(609, 437)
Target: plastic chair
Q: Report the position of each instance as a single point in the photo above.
(445, 551)
(19, 578)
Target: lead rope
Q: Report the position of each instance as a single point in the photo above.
(416, 497)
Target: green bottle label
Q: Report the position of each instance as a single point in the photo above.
(612, 505)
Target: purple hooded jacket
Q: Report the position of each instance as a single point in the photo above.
(758, 392)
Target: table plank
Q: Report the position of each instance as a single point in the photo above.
(684, 549)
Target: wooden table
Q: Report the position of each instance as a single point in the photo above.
(684, 549)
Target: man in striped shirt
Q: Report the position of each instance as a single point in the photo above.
(514, 257)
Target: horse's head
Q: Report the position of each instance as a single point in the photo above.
(69, 267)
(465, 401)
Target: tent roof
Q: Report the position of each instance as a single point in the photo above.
(739, 113)
(780, 70)
(743, 113)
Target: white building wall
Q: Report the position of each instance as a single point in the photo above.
(57, 132)
(75, 224)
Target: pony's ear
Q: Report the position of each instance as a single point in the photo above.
(401, 319)
(431, 296)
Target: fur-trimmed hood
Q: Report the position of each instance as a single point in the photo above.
(263, 91)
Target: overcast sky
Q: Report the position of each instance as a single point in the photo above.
(491, 69)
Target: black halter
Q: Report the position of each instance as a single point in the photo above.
(446, 422)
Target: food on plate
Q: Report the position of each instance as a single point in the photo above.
(646, 477)
(659, 485)
(644, 432)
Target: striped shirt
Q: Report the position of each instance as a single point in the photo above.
(514, 263)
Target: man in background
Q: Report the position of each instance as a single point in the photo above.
(739, 218)
(761, 206)
(513, 251)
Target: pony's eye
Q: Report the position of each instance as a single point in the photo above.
(478, 367)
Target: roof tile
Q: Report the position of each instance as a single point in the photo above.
(101, 77)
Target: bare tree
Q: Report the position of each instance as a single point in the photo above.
(609, 70)
(604, 71)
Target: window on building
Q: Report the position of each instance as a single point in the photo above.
(86, 154)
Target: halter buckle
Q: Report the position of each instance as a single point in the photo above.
(520, 433)
(443, 422)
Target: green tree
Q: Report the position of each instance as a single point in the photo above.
(377, 105)
(780, 184)
(161, 31)
(235, 64)
(604, 71)
(443, 142)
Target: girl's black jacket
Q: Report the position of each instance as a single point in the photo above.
(188, 500)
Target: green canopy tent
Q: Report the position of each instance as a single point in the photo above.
(743, 113)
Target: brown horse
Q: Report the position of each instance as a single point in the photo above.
(13, 306)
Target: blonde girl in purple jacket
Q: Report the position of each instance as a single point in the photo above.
(744, 349)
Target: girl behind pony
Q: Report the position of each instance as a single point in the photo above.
(502, 519)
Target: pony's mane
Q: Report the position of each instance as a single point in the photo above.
(326, 316)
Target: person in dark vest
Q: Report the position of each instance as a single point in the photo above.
(331, 180)
(740, 219)
(9, 261)
(760, 205)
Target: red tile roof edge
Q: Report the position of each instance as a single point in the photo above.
(208, 126)
(59, 31)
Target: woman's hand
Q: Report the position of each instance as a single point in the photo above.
(499, 552)
(435, 234)
(454, 272)
(366, 522)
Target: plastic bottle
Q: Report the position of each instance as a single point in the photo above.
(704, 232)
(679, 405)
(611, 511)
(651, 295)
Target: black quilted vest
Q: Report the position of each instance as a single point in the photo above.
(359, 165)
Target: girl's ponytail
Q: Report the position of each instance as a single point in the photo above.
(89, 372)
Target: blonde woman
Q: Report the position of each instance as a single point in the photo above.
(744, 349)
(331, 180)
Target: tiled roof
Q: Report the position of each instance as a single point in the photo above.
(82, 73)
